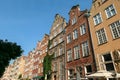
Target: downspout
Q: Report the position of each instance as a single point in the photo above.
(91, 42)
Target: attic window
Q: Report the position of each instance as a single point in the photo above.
(74, 20)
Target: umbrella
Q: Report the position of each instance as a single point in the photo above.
(101, 73)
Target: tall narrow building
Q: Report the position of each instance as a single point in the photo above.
(39, 54)
(28, 66)
(105, 30)
(79, 52)
(58, 48)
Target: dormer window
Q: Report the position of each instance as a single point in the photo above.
(74, 20)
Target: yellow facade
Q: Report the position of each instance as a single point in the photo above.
(103, 7)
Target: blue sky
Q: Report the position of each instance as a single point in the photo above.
(26, 21)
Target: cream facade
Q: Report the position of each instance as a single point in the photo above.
(7, 73)
(14, 70)
(58, 48)
(104, 23)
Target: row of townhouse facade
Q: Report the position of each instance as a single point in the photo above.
(34, 62)
(87, 47)
(91, 40)
(13, 71)
(30, 66)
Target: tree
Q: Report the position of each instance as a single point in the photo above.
(8, 51)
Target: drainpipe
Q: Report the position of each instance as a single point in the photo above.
(64, 34)
(91, 42)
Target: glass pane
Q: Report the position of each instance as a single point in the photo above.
(89, 68)
(107, 57)
(109, 66)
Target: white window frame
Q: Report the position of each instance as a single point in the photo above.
(83, 29)
(70, 75)
(55, 53)
(75, 34)
(110, 11)
(97, 18)
(69, 38)
(85, 45)
(101, 36)
(61, 50)
(86, 72)
(60, 39)
(116, 29)
(74, 20)
(69, 55)
(76, 52)
(103, 62)
(61, 70)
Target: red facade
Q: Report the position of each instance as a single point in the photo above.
(79, 53)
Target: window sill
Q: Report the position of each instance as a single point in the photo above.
(69, 61)
(73, 24)
(86, 56)
(77, 59)
(83, 34)
(111, 16)
(75, 38)
(102, 43)
(104, 1)
(98, 24)
(116, 38)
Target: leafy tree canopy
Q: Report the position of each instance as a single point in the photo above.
(8, 51)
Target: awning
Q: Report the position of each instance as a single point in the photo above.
(103, 73)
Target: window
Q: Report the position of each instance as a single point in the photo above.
(70, 74)
(41, 69)
(115, 29)
(101, 36)
(107, 62)
(82, 29)
(55, 66)
(55, 33)
(69, 55)
(74, 20)
(55, 53)
(60, 39)
(55, 42)
(60, 50)
(61, 71)
(110, 11)
(85, 48)
(88, 69)
(79, 71)
(61, 28)
(97, 19)
(76, 52)
(69, 39)
(75, 34)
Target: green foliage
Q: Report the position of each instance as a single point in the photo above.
(8, 51)
(47, 63)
